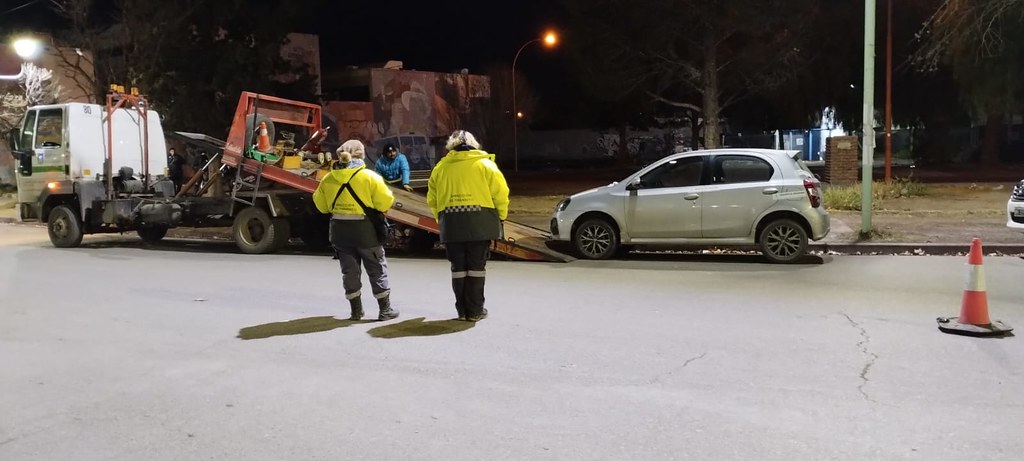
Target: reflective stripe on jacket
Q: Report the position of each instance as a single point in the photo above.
(468, 195)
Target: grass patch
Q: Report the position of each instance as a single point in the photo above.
(849, 197)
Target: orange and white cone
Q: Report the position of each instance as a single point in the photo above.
(263, 139)
(974, 319)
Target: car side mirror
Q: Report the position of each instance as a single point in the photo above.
(24, 161)
(635, 184)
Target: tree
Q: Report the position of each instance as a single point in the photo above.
(191, 58)
(35, 86)
(702, 55)
(79, 35)
(983, 43)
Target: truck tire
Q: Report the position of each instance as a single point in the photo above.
(421, 241)
(64, 227)
(316, 233)
(282, 233)
(152, 234)
(255, 232)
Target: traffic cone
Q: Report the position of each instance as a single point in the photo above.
(263, 139)
(974, 319)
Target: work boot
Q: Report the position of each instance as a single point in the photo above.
(478, 317)
(458, 287)
(357, 308)
(386, 312)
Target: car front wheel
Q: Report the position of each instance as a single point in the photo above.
(783, 241)
(596, 239)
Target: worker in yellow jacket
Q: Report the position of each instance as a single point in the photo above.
(353, 236)
(468, 196)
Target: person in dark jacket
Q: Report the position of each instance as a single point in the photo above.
(175, 171)
(468, 196)
(352, 234)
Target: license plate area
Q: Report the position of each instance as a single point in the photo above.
(1018, 213)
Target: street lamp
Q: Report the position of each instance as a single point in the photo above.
(550, 39)
(26, 49)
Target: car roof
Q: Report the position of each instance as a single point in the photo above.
(745, 150)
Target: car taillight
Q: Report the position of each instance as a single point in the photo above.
(813, 193)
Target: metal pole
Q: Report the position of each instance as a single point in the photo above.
(888, 96)
(868, 143)
(515, 113)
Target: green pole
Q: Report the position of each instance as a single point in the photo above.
(868, 144)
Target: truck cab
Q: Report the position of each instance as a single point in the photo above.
(61, 152)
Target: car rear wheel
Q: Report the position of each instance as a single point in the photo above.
(596, 239)
(783, 241)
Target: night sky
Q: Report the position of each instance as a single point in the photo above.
(425, 35)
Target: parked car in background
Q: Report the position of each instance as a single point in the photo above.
(1015, 208)
(723, 197)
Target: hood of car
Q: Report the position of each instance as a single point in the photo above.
(593, 191)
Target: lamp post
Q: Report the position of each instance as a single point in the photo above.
(868, 143)
(549, 40)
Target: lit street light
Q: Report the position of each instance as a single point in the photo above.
(550, 39)
(26, 49)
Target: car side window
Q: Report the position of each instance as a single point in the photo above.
(733, 169)
(682, 172)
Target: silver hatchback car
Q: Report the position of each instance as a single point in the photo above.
(721, 197)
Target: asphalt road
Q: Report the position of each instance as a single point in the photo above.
(184, 350)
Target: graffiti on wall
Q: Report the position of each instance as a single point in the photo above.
(349, 120)
(428, 103)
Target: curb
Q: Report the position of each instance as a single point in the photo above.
(936, 249)
(851, 248)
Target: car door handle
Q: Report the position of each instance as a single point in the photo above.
(691, 196)
(770, 191)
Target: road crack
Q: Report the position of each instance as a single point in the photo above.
(658, 378)
(872, 357)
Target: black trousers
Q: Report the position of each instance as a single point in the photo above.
(469, 261)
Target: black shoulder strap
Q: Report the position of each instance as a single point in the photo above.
(354, 195)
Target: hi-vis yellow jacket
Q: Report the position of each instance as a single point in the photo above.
(469, 196)
(370, 187)
(349, 227)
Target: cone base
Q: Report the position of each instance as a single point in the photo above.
(951, 325)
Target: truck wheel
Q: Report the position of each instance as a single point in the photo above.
(316, 233)
(282, 232)
(152, 234)
(64, 227)
(422, 241)
(255, 232)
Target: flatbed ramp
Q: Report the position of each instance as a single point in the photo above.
(521, 241)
